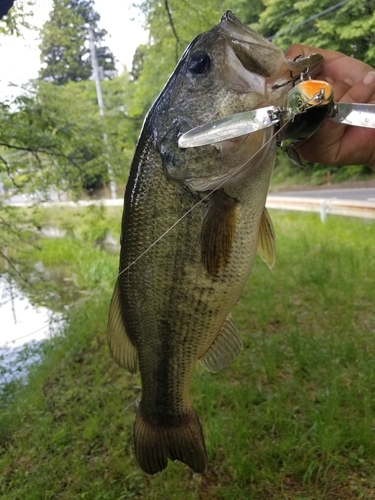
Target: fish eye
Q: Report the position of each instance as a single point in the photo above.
(199, 64)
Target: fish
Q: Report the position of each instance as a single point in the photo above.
(193, 222)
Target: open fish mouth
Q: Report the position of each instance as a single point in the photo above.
(249, 62)
(255, 53)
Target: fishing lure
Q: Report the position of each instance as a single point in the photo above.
(307, 106)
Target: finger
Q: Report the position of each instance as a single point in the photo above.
(357, 144)
(353, 81)
(341, 89)
(362, 91)
(347, 69)
(324, 145)
(357, 147)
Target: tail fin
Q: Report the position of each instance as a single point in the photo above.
(183, 442)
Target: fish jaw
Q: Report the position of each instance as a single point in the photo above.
(256, 64)
(255, 52)
(246, 72)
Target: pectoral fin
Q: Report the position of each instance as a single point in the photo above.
(218, 232)
(266, 240)
(225, 349)
(121, 347)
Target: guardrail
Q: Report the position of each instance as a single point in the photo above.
(118, 202)
(323, 206)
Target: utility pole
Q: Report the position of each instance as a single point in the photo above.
(99, 95)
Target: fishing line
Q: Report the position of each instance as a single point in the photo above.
(85, 299)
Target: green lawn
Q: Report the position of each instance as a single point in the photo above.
(292, 418)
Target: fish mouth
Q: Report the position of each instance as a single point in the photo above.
(256, 54)
(249, 62)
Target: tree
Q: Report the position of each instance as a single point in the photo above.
(52, 138)
(172, 24)
(65, 52)
(14, 16)
(347, 26)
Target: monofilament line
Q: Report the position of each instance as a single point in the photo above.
(82, 301)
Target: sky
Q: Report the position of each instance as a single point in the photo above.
(19, 56)
(19, 317)
(19, 62)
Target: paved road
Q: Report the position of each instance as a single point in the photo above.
(360, 194)
(364, 194)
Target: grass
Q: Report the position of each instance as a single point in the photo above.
(287, 175)
(92, 223)
(292, 418)
(62, 270)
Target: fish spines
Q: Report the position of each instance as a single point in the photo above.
(184, 441)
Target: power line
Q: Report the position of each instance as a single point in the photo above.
(311, 18)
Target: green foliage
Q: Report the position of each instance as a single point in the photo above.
(56, 272)
(14, 16)
(65, 52)
(93, 223)
(287, 174)
(17, 231)
(53, 139)
(172, 25)
(291, 418)
(349, 28)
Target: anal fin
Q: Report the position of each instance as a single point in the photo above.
(225, 348)
(120, 346)
(266, 240)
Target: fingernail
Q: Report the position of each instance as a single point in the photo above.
(329, 80)
(349, 81)
(369, 78)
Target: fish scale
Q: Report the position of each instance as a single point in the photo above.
(171, 307)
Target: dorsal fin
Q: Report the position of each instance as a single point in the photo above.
(218, 232)
(225, 348)
(121, 347)
(266, 240)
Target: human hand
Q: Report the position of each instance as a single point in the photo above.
(352, 81)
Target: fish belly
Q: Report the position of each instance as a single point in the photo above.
(173, 308)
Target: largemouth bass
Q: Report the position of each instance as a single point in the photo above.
(193, 222)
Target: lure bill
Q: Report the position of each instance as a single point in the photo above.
(230, 127)
(302, 114)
